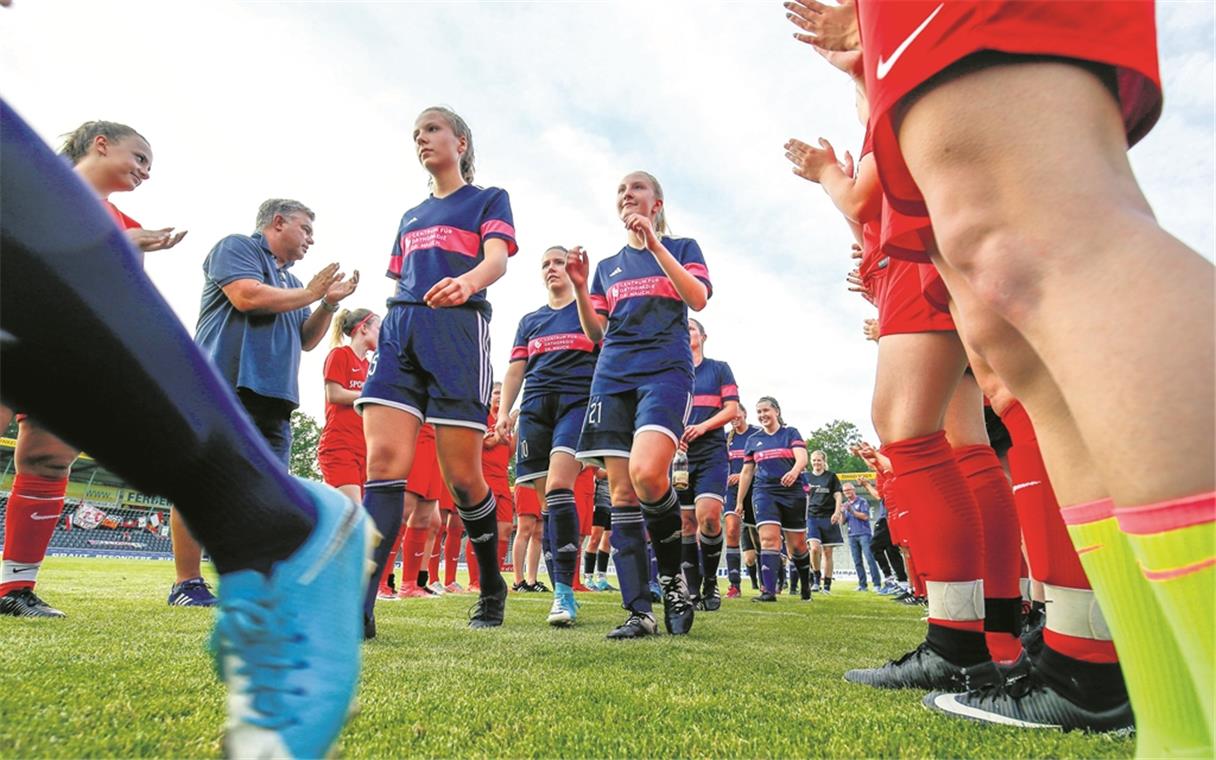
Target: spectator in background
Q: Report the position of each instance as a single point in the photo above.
(886, 553)
(857, 517)
(256, 316)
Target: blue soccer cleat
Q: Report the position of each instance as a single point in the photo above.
(565, 608)
(194, 592)
(288, 646)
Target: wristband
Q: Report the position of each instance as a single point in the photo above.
(331, 308)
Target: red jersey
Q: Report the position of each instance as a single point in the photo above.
(494, 462)
(343, 426)
(123, 221)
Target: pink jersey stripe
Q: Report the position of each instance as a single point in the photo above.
(736, 454)
(642, 287)
(1090, 512)
(767, 454)
(599, 303)
(707, 399)
(443, 237)
(1168, 515)
(730, 392)
(519, 352)
(700, 270)
(1177, 572)
(543, 344)
(498, 226)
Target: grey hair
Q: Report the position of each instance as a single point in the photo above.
(283, 207)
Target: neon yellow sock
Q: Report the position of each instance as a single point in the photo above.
(1169, 718)
(1175, 544)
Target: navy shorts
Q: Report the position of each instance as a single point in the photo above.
(822, 529)
(784, 507)
(614, 418)
(706, 480)
(548, 422)
(602, 517)
(749, 511)
(434, 364)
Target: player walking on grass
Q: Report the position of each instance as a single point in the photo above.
(433, 362)
(637, 302)
(292, 555)
(740, 524)
(715, 402)
(554, 361)
(774, 465)
(110, 158)
(824, 517)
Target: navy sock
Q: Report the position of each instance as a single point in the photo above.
(792, 569)
(690, 562)
(770, 565)
(564, 517)
(752, 573)
(827, 583)
(75, 294)
(546, 546)
(384, 500)
(732, 565)
(711, 557)
(481, 524)
(663, 522)
(601, 562)
(588, 564)
(629, 556)
(802, 564)
(654, 562)
(818, 577)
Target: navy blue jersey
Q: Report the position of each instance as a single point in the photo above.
(737, 447)
(560, 357)
(773, 456)
(445, 237)
(647, 333)
(713, 386)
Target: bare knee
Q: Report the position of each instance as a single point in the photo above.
(649, 479)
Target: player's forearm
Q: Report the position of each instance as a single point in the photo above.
(512, 381)
(691, 290)
(592, 323)
(314, 328)
(491, 268)
(727, 413)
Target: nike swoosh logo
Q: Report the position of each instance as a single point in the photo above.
(44, 517)
(1019, 486)
(23, 569)
(884, 67)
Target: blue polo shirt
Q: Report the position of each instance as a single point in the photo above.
(258, 352)
(857, 527)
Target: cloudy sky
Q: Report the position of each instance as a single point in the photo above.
(316, 101)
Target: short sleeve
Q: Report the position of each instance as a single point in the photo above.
(796, 441)
(497, 220)
(730, 390)
(337, 366)
(396, 258)
(236, 257)
(693, 260)
(834, 484)
(599, 296)
(519, 349)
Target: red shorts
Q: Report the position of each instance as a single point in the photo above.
(342, 467)
(902, 305)
(506, 503)
(584, 500)
(425, 480)
(907, 43)
(527, 502)
(445, 501)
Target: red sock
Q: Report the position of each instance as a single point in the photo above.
(1002, 549)
(392, 561)
(1053, 559)
(451, 554)
(432, 567)
(900, 523)
(34, 507)
(502, 552)
(470, 559)
(413, 552)
(949, 539)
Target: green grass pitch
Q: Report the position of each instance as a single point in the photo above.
(127, 676)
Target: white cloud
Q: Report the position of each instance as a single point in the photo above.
(316, 101)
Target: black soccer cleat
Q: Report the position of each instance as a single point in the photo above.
(711, 600)
(1030, 701)
(23, 602)
(765, 597)
(369, 627)
(487, 611)
(923, 668)
(638, 625)
(806, 592)
(678, 610)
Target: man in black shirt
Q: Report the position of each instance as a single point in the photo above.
(825, 513)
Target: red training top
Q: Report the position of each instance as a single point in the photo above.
(343, 426)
